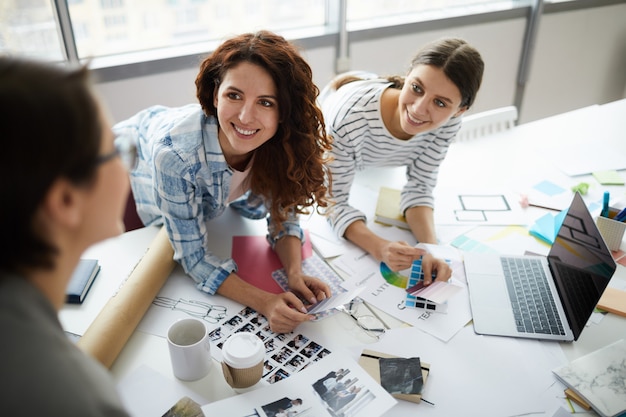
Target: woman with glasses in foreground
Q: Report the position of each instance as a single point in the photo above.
(63, 189)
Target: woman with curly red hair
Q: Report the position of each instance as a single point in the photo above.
(256, 143)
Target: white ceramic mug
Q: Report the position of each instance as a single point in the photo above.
(243, 355)
(190, 349)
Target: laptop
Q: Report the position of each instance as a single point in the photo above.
(507, 300)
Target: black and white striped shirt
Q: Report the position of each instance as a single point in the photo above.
(353, 118)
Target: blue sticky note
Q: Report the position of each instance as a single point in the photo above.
(547, 226)
(549, 188)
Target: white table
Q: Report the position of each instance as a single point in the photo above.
(500, 160)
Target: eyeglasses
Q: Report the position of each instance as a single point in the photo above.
(124, 148)
(370, 323)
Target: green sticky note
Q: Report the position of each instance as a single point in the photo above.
(610, 177)
(581, 187)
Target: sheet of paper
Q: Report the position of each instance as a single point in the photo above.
(146, 392)
(438, 292)
(287, 353)
(478, 207)
(469, 369)
(587, 158)
(386, 291)
(514, 240)
(323, 238)
(551, 194)
(335, 301)
(179, 298)
(359, 392)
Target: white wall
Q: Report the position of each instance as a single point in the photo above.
(579, 60)
(500, 45)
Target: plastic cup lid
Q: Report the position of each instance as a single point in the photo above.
(243, 350)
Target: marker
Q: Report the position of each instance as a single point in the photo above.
(605, 205)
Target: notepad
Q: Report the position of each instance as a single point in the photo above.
(598, 378)
(82, 278)
(609, 177)
(547, 226)
(388, 208)
(370, 361)
(613, 300)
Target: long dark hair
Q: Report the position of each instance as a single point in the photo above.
(50, 128)
(459, 61)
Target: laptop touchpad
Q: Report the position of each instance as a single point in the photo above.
(489, 292)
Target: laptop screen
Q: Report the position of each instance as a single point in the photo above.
(581, 264)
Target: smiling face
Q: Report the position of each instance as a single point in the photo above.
(247, 111)
(427, 101)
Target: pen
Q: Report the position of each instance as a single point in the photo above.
(605, 205)
(620, 216)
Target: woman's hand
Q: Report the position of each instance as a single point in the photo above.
(285, 312)
(399, 255)
(431, 265)
(308, 288)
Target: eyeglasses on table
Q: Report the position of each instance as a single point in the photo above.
(371, 324)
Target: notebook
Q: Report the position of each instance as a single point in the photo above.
(81, 280)
(576, 271)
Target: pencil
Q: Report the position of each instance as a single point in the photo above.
(543, 207)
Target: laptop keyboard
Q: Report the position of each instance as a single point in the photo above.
(534, 308)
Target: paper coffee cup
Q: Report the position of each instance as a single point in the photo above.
(243, 355)
(190, 349)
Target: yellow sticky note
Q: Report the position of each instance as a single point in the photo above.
(610, 177)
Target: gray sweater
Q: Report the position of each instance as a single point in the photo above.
(43, 373)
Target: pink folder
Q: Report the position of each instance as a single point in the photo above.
(256, 260)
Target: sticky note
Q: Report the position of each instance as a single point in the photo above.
(549, 188)
(547, 226)
(610, 177)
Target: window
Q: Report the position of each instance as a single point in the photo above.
(116, 28)
(122, 26)
(29, 27)
(373, 13)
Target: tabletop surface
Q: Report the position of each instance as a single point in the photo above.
(514, 161)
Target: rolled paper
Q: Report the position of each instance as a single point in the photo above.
(105, 338)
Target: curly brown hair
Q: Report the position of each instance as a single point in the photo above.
(289, 169)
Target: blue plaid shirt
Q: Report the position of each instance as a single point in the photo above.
(182, 180)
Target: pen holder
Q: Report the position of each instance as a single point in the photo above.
(612, 231)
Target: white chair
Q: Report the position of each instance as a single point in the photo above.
(486, 123)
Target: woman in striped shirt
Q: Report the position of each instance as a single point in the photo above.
(399, 121)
